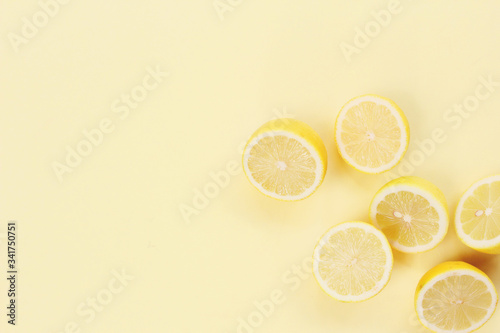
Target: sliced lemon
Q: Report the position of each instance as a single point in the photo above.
(285, 159)
(372, 133)
(455, 297)
(412, 213)
(477, 219)
(352, 262)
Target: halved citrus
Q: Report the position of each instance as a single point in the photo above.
(285, 159)
(477, 219)
(455, 297)
(353, 261)
(412, 213)
(372, 133)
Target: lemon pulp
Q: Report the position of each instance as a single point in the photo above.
(286, 162)
(480, 215)
(353, 261)
(412, 213)
(372, 133)
(282, 165)
(455, 297)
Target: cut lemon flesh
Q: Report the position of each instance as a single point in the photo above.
(372, 133)
(286, 162)
(412, 213)
(352, 262)
(477, 218)
(455, 297)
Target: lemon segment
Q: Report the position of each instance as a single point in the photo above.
(412, 213)
(455, 297)
(372, 133)
(352, 262)
(477, 218)
(286, 162)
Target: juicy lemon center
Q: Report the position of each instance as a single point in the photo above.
(480, 212)
(456, 302)
(282, 165)
(480, 215)
(352, 262)
(407, 218)
(404, 217)
(371, 134)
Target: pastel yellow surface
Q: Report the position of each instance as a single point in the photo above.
(132, 207)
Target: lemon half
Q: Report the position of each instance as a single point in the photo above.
(352, 262)
(477, 219)
(372, 133)
(455, 297)
(412, 213)
(285, 159)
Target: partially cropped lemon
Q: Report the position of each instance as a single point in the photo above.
(285, 159)
(455, 297)
(372, 133)
(352, 262)
(412, 213)
(477, 219)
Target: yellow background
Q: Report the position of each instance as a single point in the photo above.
(120, 209)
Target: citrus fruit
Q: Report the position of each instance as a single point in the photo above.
(455, 297)
(352, 262)
(372, 133)
(412, 213)
(477, 219)
(285, 159)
